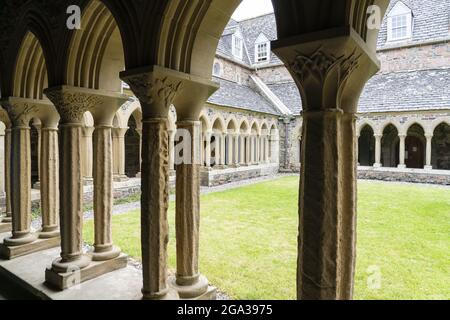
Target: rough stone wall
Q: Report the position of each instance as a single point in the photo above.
(403, 176)
(289, 148)
(415, 58)
(274, 74)
(230, 70)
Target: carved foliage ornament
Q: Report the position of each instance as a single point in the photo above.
(151, 91)
(320, 66)
(19, 114)
(72, 105)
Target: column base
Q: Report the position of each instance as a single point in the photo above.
(428, 168)
(98, 255)
(401, 166)
(65, 280)
(37, 185)
(191, 291)
(377, 165)
(120, 178)
(168, 294)
(11, 250)
(7, 219)
(48, 234)
(5, 227)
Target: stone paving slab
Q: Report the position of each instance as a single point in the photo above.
(29, 273)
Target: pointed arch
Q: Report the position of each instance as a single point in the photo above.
(96, 56)
(30, 72)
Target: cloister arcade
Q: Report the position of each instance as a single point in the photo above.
(164, 51)
(414, 144)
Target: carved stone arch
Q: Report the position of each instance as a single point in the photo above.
(96, 55)
(244, 126)
(206, 123)
(232, 126)
(407, 125)
(4, 118)
(33, 20)
(436, 123)
(254, 127)
(365, 123)
(218, 124)
(378, 130)
(30, 76)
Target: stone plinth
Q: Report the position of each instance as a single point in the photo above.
(13, 252)
(5, 227)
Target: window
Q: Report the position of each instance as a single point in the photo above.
(217, 70)
(399, 23)
(238, 45)
(262, 52)
(262, 49)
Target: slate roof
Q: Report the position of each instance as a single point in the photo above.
(232, 94)
(403, 91)
(431, 20)
(288, 93)
(407, 91)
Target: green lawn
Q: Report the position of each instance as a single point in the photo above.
(249, 240)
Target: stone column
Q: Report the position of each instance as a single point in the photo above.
(118, 138)
(236, 149)
(139, 131)
(71, 107)
(248, 150)
(49, 176)
(156, 88)
(172, 134)
(39, 157)
(207, 137)
(189, 282)
(103, 193)
(331, 75)
(275, 148)
(87, 153)
(402, 150)
(222, 149)
(428, 165)
(377, 163)
(229, 141)
(347, 221)
(8, 212)
(266, 149)
(2, 162)
(20, 183)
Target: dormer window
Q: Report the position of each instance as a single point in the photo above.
(238, 45)
(399, 23)
(262, 49)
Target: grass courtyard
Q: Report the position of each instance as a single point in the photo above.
(248, 245)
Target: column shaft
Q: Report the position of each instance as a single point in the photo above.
(347, 222)
(21, 184)
(377, 150)
(187, 217)
(319, 206)
(49, 177)
(428, 152)
(8, 213)
(71, 199)
(118, 138)
(154, 205)
(402, 151)
(103, 195)
(207, 150)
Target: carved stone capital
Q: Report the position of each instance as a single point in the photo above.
(155, 87)
(19, 112)
(72, 104)
(330, 73)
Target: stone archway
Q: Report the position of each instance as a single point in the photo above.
(415, 147)
(366, 147)
(132, 149)
(390, 145)
(441, 147)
